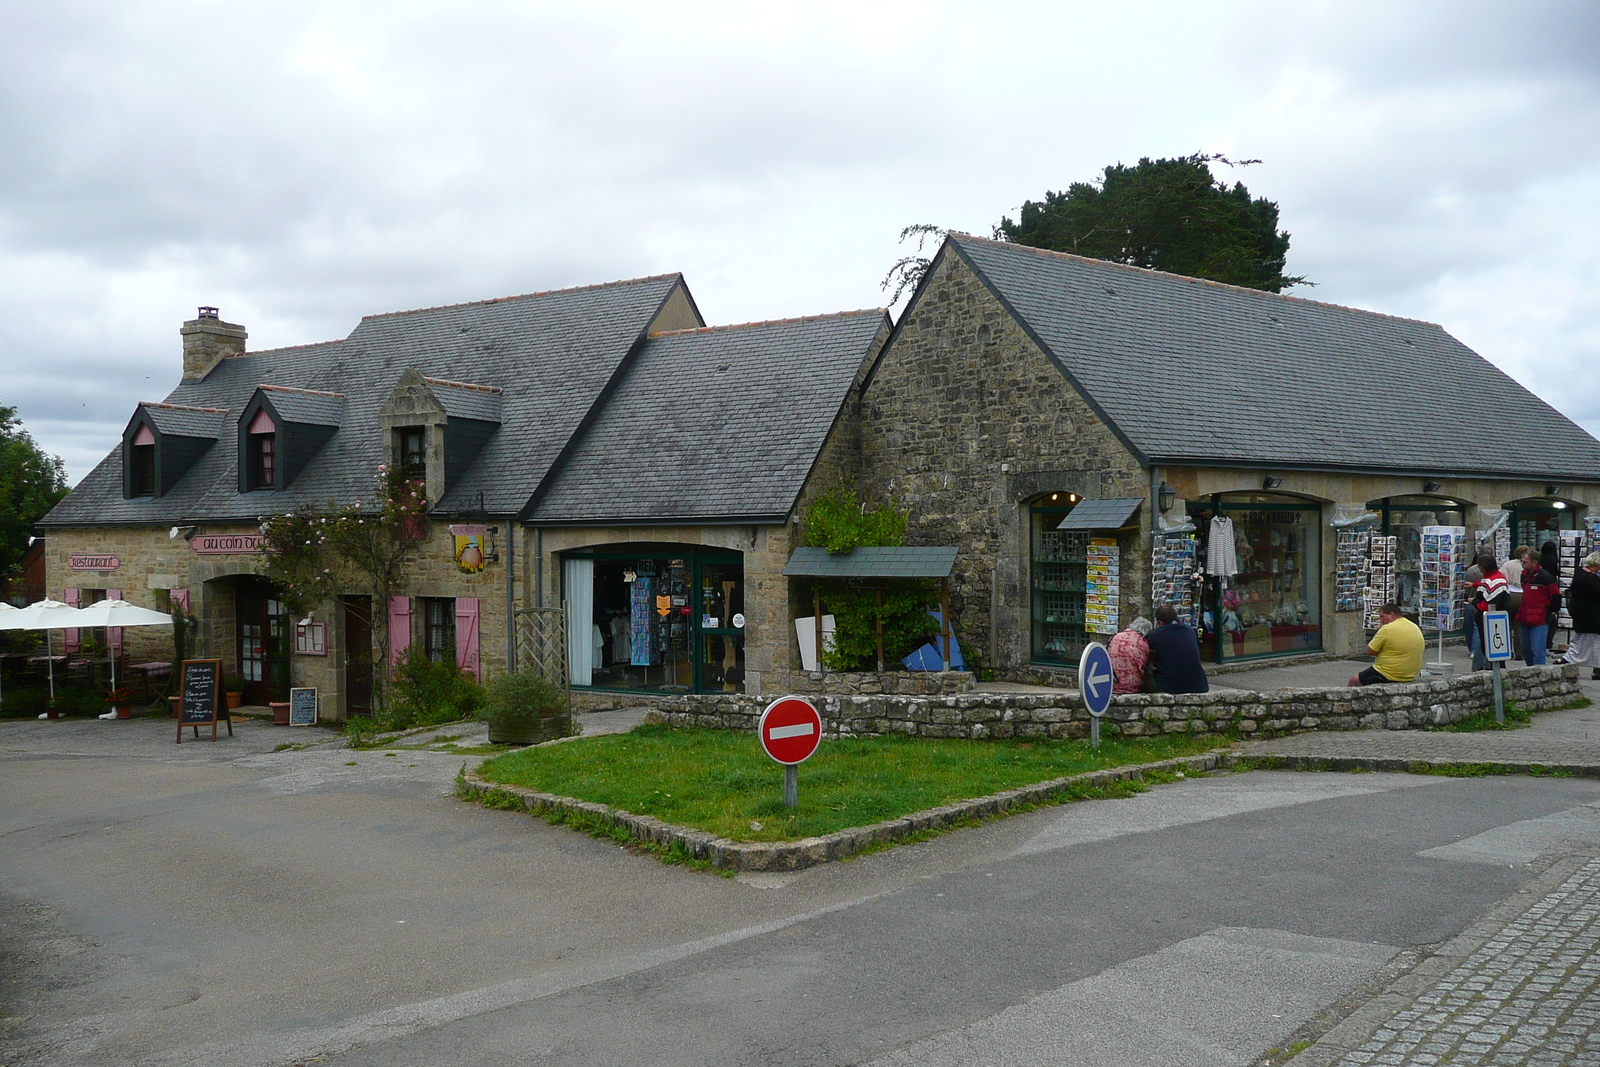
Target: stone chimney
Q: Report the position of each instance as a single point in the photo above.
(207, 340)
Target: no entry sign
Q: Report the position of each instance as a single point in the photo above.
(790, 730)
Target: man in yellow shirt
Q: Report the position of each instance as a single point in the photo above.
(1398, 644)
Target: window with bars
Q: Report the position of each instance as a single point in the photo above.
(1059, 569)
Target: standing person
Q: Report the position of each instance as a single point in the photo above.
(1398, 646)
(1470, 625)
(1540, 604)
(1490, 595)
(1550, 560)
(1130, 655)
(1175, 656)
(1583, 604)
(1513, 572)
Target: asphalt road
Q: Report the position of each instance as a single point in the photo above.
(227, 905)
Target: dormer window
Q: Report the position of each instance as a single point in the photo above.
(412, 444)
(142, 464)
(263, 452)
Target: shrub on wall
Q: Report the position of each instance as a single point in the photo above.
(425, 693)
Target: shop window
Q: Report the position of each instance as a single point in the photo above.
(1270, 601)
(439, 628)
(411, 446)
(663, 618)
(142, 471)
(1538, 521)
(1059, 565)
(1404, 518)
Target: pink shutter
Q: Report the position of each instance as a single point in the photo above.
(69, 638)
(180, 597)
(467, 634)
(399, 627)
(114, 633)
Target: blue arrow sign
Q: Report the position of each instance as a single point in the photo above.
(1094, 678)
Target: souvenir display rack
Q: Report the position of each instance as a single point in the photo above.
(1102, 585)
(1172, 569)
(1351, 560)
(1444, 570)
(1380, 586)
(1569, 553)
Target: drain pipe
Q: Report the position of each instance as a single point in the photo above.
(1155, 527)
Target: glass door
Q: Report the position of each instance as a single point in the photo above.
(720, 628)
(1270, 606)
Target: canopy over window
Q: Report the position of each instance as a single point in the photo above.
(919, 562)
(1111, 513)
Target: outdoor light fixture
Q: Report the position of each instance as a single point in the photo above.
(1166, 497)
(1269, 482)
(1551, 490)
(1559, 504)
(1432, 487)
(491, 550)
(184, 532)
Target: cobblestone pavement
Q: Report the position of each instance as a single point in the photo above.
(1521, 987)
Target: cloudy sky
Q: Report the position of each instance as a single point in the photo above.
(300, 165)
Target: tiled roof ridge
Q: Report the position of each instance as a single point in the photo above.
(768, 322)
(463, 385)
(181, 407)
(526, 296)
(1188, 278)
(297, 389)
(285, 348)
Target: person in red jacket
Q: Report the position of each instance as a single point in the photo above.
(1490, 594)
(1541, 604)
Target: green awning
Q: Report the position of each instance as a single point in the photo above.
(917, 562)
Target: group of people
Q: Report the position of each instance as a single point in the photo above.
(1165, 657)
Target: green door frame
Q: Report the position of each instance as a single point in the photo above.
(1218, 502)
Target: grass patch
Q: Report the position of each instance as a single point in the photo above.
(1516, 719)
(720, 781)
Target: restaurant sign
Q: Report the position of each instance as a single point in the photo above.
(86, 562)
(226, 544)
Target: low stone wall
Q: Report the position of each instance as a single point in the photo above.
(1436, 702)
(906, 683)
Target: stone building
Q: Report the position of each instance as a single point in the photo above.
(1068, 422)
(598, 447)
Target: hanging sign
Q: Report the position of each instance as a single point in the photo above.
(200, 691)
(469, 547)
(311, 638)
(663, 606)
(86, 562)
(303, 707)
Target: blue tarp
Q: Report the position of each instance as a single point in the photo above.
(930, 657)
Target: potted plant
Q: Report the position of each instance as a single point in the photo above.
(233, 689)
(118, 703)
(524, 708)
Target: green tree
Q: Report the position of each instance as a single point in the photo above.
(1166, 214)
(31, 483)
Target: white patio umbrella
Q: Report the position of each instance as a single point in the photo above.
(119, 613)
(4, 608)
(43, 615)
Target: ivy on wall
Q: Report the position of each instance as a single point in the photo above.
(839, 521)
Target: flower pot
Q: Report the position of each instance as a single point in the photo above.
(124, 712)
(527, 731)
(234, 700)
(280, 713)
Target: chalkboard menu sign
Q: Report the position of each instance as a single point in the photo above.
(201, 690)
(302, 707)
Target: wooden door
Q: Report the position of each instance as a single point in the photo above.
(358, 655)
(263, 631)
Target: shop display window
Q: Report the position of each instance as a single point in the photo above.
(1537, 522)
(663, 618)
(1404, 518)
(1272, 604)
(1059, 567)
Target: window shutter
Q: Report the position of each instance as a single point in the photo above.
(467, 634)
(114, 633)
(399, 628)
(181, 598)
(69, 638)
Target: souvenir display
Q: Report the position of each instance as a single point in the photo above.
(1173, 570)
(1444, 550)
(1351, 577)
(1569, 553)
(1380, 587)
(1101, 586)
(1059, 580)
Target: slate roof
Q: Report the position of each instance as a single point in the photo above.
(552, 353)
(187, 421)
(716, 424)
(1111, 513)
(462, 400)
(1191, 371)
(315, 407)
(908, 562)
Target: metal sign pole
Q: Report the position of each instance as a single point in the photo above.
(1499, 698)
(791, 782)
(1094, 730)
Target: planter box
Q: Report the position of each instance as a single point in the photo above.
(528, 733)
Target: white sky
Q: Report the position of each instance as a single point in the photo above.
(300, 165)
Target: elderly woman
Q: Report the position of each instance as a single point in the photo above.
(1129, 656)
(1583, 604)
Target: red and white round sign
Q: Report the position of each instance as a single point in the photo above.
(790, 729)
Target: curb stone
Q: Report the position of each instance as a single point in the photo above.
(1409, 766)
(1358, 1027)
(725, 853)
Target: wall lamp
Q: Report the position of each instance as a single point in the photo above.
(1271, 482)
(1166, 497)
(1432, 487)
(1552, 490)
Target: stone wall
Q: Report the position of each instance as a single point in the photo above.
(966, 421)
(1057, 715)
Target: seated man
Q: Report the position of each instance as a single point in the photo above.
(1398, 644)
(1175, 656)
